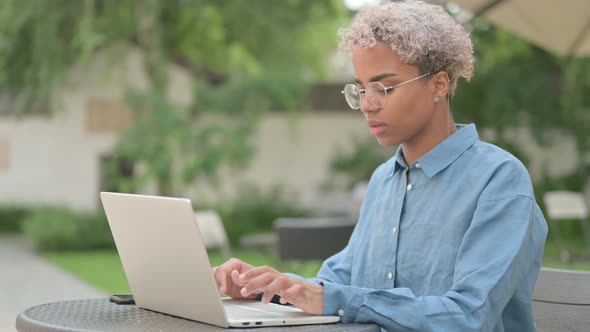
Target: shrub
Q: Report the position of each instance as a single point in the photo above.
(347, 168)
(61, 229)
(254, 211)
(11, 218)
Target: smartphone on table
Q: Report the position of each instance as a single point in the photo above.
(122, 299)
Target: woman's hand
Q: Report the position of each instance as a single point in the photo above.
(227, 275)
(300, 293)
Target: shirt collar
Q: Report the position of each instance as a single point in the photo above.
(442, 155)
(399, 160)
(449, 150)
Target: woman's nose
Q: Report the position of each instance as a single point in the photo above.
(367, 106)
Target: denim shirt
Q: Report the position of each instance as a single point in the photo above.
(456, 247)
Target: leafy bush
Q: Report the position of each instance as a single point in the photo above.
(61, 229)
(357, 165)
(253, 211)
(11, 218)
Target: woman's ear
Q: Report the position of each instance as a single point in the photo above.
(441, 83)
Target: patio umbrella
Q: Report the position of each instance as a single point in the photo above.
(562, 27)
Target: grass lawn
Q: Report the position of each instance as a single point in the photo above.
(580, 254)
(104, 270)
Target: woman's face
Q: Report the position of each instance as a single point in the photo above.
(409, 108)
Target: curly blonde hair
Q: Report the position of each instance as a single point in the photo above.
(422, 34)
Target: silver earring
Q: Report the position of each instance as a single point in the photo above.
(436, 99)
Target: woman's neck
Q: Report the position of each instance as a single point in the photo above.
(441, 127)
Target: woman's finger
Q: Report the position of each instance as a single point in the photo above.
(258, 283)
(276, 286)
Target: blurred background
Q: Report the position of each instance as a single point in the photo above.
(237, 105)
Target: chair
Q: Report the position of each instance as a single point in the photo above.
(561, 300)
(213, 232)
(566, 205)
(312, 238)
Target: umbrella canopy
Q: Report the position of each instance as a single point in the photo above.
(562, 27)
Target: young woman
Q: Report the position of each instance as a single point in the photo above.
(450, 237)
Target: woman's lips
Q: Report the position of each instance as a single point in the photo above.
(377, 128)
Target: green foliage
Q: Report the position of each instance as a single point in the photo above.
(180, 145)
(254, 210)
(60, 229)
(11, 218)
(512, 78)
(42, 40)
(253, 36)
(350, 168)
(518, 84)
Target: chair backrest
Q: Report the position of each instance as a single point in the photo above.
(565, 205)
(312, 238)
(213, 232)
(561, 300)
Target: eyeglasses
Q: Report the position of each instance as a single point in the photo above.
(375, 92)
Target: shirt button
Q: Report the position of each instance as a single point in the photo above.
(390, 276)
(394, 230)
(418, 165)
(340, 312)
(409, 187)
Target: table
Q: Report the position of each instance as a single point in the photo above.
(102, 315)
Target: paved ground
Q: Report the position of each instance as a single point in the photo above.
(27, 280)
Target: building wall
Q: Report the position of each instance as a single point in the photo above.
(292, 153)
(55, 159)
(53, 162)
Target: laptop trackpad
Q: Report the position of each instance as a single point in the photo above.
(249, 309)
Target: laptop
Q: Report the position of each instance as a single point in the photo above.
(168, 269)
